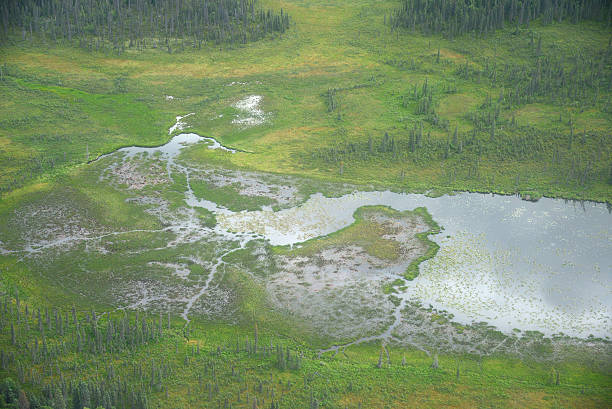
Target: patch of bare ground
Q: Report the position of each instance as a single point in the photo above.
(434, 331)
(217, 303)
(51, 223)
(136, 174)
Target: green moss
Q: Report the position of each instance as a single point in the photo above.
(393, 286)
(207, 217)
(532, 195)
(368, 234)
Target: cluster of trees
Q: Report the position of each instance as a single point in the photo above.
(34, 165)
(68, 359)
(564, 154)
(547, 77)
(139, 23)
(117, 334)
(424, 100)
(332, 102)
(39, 341)
(332, 96)
(454, 18)
(491, 138)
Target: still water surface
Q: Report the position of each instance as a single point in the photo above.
(543, 266)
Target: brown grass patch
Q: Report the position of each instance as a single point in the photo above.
(45, 61)
(451, 55)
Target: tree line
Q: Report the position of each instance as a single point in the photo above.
(454, 18)
(139, 23)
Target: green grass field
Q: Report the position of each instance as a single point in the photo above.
(345, 105)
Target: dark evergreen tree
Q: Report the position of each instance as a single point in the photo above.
(139, 24)
(453, 18)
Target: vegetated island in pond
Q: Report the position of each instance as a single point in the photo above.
(314, 278)
(384, 234)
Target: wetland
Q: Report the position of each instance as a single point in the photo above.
(353, 265)
(305, 204)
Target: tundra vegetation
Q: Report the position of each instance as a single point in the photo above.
(116, 291)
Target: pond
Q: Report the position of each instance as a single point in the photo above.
(544, 266)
